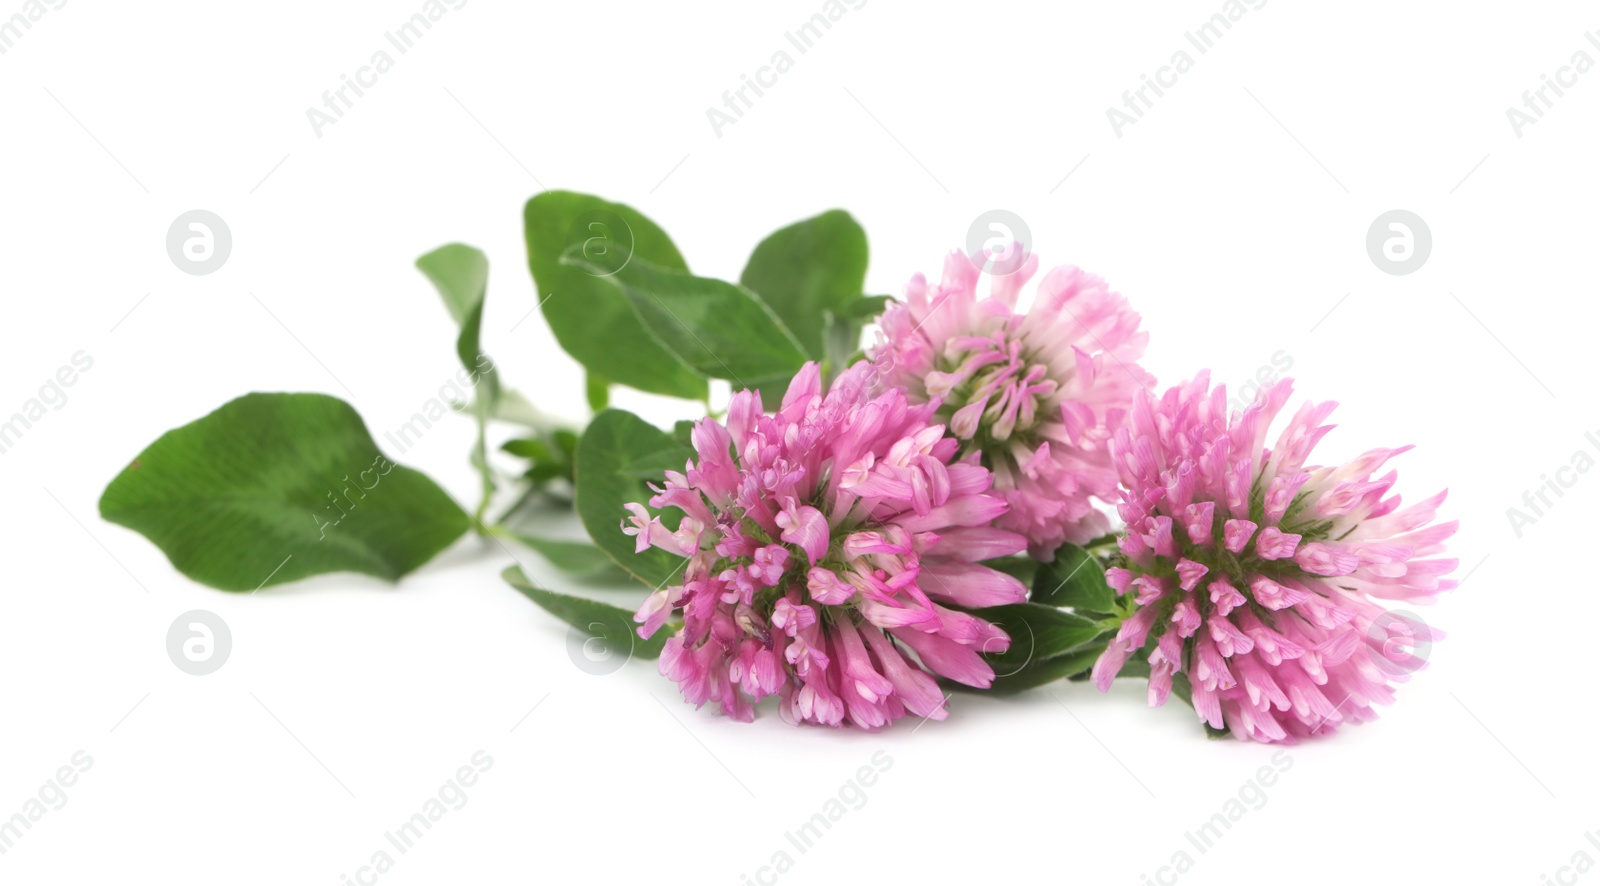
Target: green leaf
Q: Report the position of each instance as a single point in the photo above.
(650, 466)
(1021, 568)
(577, 558)
(566, 441)
(618, 453)
(1038, 673)
(271, 488)
(612, 625)
(717, 328)
(597, 391)
(808, 272)
(550, 454)
(842, 335)
(461, 274)
(1037, 632)
(683, 433)
(772, 390)
(1077, 579)
(592, 319)
(531, 448)
(865, 308)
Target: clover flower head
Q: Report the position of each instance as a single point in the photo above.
(832, 550)
(1035, 393)
(1260, 578)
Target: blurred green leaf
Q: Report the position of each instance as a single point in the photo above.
(597, 391)
(461, 274)
(271, 488)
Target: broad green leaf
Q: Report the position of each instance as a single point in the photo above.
(650, 466)
(717, 328)
(808, 272)
(271, 488)
(612, 625)
(461, 274)
(1037, 632)
(1077, 579)
(592, 319)
(618, 453)
(578, 558)
(1037, 673)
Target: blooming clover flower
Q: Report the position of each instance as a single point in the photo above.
(1036, 394)
(1258, 577)
(827, 545)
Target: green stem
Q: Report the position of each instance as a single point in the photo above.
(523, 499)
(480, 408)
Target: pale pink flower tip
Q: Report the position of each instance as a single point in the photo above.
(1035, 393)
(832, 548)
(1285, 632)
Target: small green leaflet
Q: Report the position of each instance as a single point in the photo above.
(612, 625)
(618, 454)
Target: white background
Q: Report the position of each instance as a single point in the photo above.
(1233, 215)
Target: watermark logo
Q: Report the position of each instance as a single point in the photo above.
(451, 397)
(1400, 641)
(1266, 374)
(402, 39)
(452, 796)
(1138, 100)
(379, 469)
(738, 100)
(604, 240)
(1399, 242)
(51, 797)
(1536, 101)
(601, 648)
(198, 242)
(199, 642)
(1579, 864)
(1252, 796)
(52, 397)
(20, 23)
(851, 796)
(999, 240)
(1538, 501)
